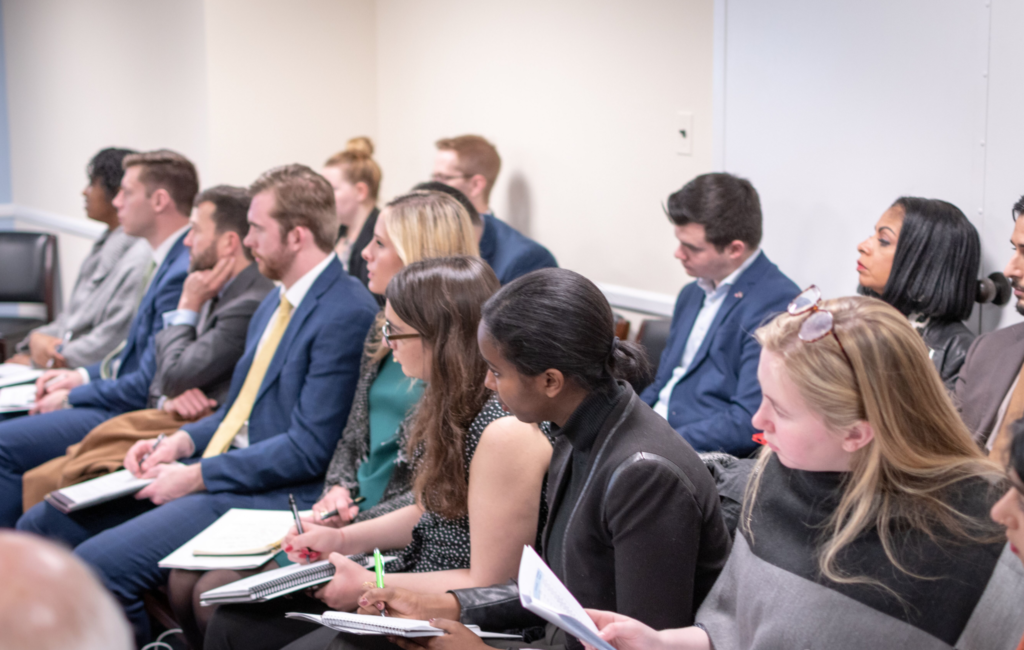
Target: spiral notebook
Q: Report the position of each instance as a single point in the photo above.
(277, 582)
(390, 626)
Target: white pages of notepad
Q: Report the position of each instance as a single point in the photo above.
(386, 625)
(541, 592)
(97, 490)
(236, 530)
(15, 373)
(14, 399)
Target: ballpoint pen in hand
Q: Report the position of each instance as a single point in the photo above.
(378, 569)
(160, 438)
(298, 522)
(334, 513)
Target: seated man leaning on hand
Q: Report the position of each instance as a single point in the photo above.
(276, 431)
(196, 351)
(707, 385)
(154, 204)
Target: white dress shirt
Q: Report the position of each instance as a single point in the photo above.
(713, 299)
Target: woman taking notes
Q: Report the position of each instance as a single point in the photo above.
(369, 463)
(635, 524)
(865, 522)
(1009, 511)
(478, 474)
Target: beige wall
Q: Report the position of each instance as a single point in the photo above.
(287, 82)
(580, 98)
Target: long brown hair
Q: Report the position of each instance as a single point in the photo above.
(441, 298)
(920, 450)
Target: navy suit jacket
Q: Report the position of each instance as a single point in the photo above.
(129, 391)
(712, 404)
(303, 403)
(510, 253)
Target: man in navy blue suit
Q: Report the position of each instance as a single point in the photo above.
(470, 164)
(154, 203)
(707, 385)
(274, 435)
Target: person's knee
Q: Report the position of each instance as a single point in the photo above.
(34, 520)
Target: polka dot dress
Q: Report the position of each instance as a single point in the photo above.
(439, 543)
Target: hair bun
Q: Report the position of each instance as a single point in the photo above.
(360, 145)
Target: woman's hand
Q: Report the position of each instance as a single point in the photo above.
(458, 637)
(337, 498)
(314, 544)
(402, 603)
(624, 632)
(343, 591)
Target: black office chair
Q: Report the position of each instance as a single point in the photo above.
(28, 285)
(653, 335)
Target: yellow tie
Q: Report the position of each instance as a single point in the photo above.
(239, 412)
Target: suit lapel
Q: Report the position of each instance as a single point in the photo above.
(1002, 372)
(737, 292)
(305, 309)
(687, 317)
(559, 481)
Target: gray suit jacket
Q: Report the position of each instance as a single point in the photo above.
(104, 300)
(204, 356)
(992, 364)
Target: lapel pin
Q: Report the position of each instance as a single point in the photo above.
(738, 294)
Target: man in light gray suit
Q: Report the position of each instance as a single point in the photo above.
(109, 285)
(990, 390)
(196, 351)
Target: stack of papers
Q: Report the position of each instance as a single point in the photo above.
(15, 373)
(95, 491)
(240, 539)
(17, 399)
(390, 626)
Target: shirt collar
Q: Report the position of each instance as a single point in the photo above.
(302, 286)
(161, 251)
(730, 279)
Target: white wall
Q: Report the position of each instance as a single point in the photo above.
(834, 109)
(580, 98)
(83, 76)
(238, 86)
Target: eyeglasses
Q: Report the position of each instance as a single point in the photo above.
(819, 322)
(389, 337)
(444, 178)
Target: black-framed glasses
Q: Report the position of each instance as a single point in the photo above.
(819, 322)
(389, 337)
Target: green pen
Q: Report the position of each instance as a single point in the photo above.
(378, 569)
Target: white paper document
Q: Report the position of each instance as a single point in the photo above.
(97, 490)
(240, 539)
(388, 625)
(15, 373)
(541, 592)
(14, 399)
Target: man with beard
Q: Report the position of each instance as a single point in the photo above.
(196, 351)
(990, 391)
(273, 435)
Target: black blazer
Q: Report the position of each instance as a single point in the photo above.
(645, 538)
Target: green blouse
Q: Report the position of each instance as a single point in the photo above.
(392, 396)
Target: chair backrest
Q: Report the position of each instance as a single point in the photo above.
(653, 335)
(621, 327)
(28, 264)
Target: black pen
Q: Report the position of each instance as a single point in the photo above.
(334, 513)
(298, 522)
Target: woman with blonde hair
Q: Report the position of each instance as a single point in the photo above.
(864, 523)
(355, 177)
(369, 475)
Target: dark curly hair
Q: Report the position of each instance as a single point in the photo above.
(106, 166)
